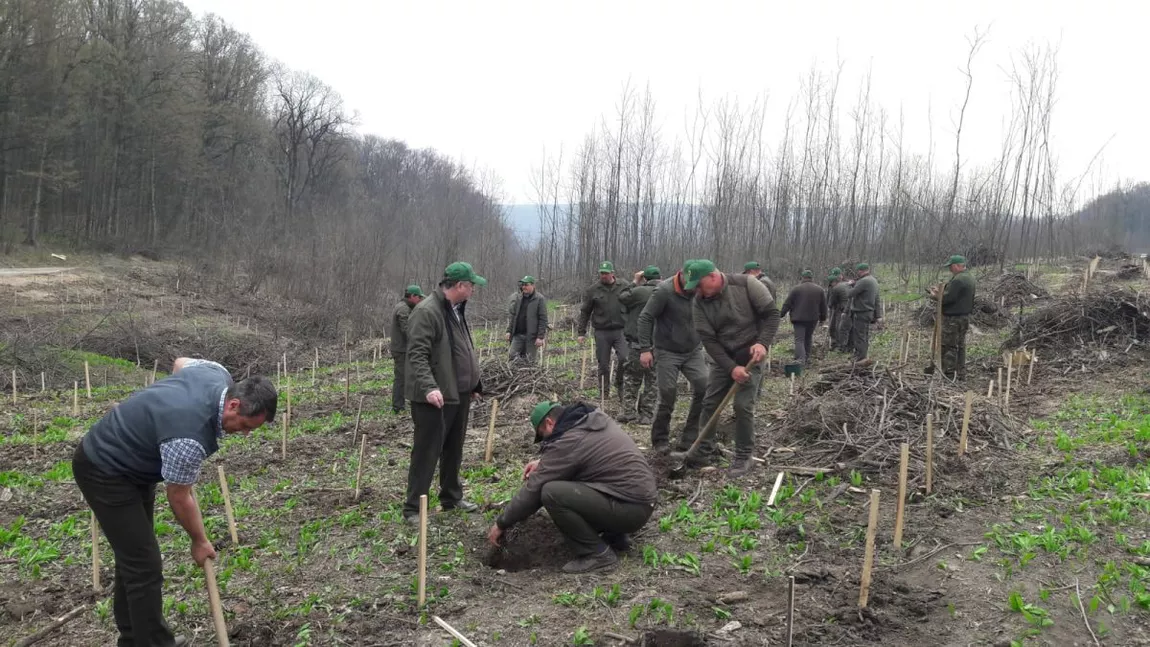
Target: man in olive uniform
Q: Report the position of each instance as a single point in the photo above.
(957, 304)
(807, 305)
(602, 309)
(442, 380)
(837, 306)
(866, 309)
(527, 327)
(411, 297)
(637, 377)
(737, 319)
(755, 269)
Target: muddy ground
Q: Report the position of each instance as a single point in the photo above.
(1005, 548)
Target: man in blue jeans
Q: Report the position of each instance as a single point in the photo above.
(162, 433)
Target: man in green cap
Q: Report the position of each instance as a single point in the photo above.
(442, 380)
(668, 341)
(957, 304)
(807, 306)
(837, 305)
(602, 309)
(411, 297)
(736, 319)
(593, 480)
(527, 327)
(755, 269)
(637, 377)
(866, 309)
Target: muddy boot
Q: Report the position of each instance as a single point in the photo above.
(740, 467)
(661, 449)
(620, 542)
(602, 561)
(699, 459)
(646, 419)
(626, 417)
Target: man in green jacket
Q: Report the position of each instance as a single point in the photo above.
(411, 297)
(755, 269)
(602, 309)
(957, 304)
(668, 341)
(527, 327)
(837, 305)
(442, 380)
(807, 306)
(637, 377)
(736, 319)
(593, 480)
(866, 309)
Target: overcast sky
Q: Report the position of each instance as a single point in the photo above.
(494, 83)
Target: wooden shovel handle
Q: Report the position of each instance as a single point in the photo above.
(214, 602)
(714, 421)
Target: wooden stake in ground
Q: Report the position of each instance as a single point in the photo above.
(1029, 371)
(13, 387)
(347, 384)
(358, 413)
(966, 421)
(422, 550)
(1000, 384)
(792, 383)
(768, 360)
(929, 452)
(583, 370)
(1009, 374)
(775, 489)
(359, 466)
(35, 433)
(868, 555)
(490, 451)
(43, 384)
(87, 379)
(75, 399)
(228, 505)
(900, 505)
(214, 602)
(95, 554)
(155, 367)
(790, 611)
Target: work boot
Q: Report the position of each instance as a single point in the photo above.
(700, 459)
(864, 363)
(397, 410)
(604, 560)
(646, 419)
(740, 467)
(620, 542)
(411, 520)
(627, 417)
(662, 448)
(462, 506)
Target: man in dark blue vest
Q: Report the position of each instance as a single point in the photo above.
(162, 433)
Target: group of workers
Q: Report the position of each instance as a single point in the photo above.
(591, 477)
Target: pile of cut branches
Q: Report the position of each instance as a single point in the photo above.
(1016, 289)
(1110, 316)
(506, 380)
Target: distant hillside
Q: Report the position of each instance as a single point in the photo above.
(523, 219)
(1121, 216)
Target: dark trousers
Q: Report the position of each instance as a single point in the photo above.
(524, 348)
(125, 510)
(581, 513)
(438, 440)
(836, 323)
(954, 329)
(668, 365)
(860, 334)
(804, 337)
(639, 394)
(717, 386)
(605, 342)
(397, 401)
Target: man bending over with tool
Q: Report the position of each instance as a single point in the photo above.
(162, 433)
(594, 482)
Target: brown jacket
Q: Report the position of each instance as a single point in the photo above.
(588, 447)
(741, 315)
(806, 303)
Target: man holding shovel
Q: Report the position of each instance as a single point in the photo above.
(162, 433)
(957, 304)
(736, 319)
(411, 298)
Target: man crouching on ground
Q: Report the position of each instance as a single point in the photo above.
(594, 482)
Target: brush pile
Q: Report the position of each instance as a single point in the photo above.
(1016, 289)
(506, 380)
(1107, 317)
(1128, 272)
(857, 420)
(986, 314)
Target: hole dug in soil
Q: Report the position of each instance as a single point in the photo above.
(535, 543)
(671, 638)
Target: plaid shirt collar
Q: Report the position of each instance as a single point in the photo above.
(220, 415)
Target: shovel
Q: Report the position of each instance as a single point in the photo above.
(681, 468)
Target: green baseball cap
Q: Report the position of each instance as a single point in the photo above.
(695, 270)
(527, 280)
(540, 412)
(836, 271)
(652, 272)
(606, 267)
(753, 265)
(862, 266)
(460, 271)
(413, 291)
(955, 260)
(807, 274)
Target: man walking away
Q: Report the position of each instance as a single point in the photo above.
(442, 380)
(755, 269)
(596, 485)
(866, 309)
(639, 394)
(162, 433)
(411, 297)
(957, 304)
(736, 320)
(601, 307)
(807, 305)
(668, 341)
(527, 327)
(838, 305)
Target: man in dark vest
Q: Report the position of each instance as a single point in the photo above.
(601, 308)
(442, 380)
(957, 304)
(807, 306)
(162, 433)
(411, 297)
(527, 327)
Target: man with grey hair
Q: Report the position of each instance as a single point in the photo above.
(161, 433)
